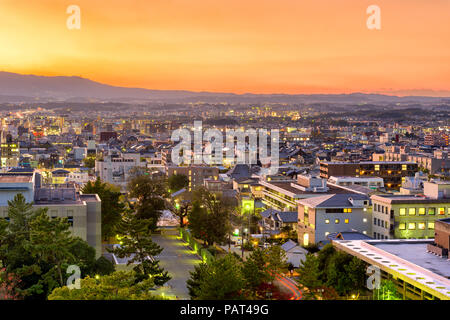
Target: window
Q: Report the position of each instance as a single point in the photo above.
(403, 211)
(346, 220)
(326, 234)
(411, 226)
(430, 225)
(441, 211)
(431, 211)
(421, 225)
(364, 220)
(421, 211)
(404, 167)
(327, 221)
(70, 221)
(448, 210)
(377, 167)
(412, 211)
(375, 221)
(336, 221)
(402, 226)
(347, 210)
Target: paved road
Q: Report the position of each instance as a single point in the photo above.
(178, 260)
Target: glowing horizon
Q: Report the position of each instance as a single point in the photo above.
(264, 46)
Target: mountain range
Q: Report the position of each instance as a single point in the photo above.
(16, 88)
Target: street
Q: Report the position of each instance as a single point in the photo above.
(178, 260)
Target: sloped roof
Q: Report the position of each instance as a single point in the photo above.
(332, 200)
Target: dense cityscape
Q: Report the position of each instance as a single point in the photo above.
(364, 186)
(224, 159)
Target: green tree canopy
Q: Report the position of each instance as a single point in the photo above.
(112, 206)
(119, 285)
(137, 245)
(177, 182)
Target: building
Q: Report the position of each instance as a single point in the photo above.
(392, 172)
(115, 169)
(370, 182)
(411, 216)
(281, 193)
(10, 152)
(417, 273)
(83, 211)
(321, 216)
(195, 174)
(439, 139)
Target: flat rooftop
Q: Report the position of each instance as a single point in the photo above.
(16, 178)
(406, 259)
(408, 199)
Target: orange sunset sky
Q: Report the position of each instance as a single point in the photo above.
(259, 46)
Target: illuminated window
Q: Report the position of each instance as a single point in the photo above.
(412, 211)
(431, 211)
(411, 226)
(402, 211)
(327, 221)
(336, 221)
(441, 211)
(404, 167)
(346, 220)
(347, 210)
(421, 225)
(326, 234)
(421, 211)
(430, 225)
(364, 220)
(377, 167)
(402, 226)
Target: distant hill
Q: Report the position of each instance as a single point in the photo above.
(16, 88)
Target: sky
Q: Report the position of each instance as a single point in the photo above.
(259, 46)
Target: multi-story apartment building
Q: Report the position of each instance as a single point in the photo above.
(10, 152)
(83, 211)
(115, 168)
(411, 216)
(392, 172)
(332, 213)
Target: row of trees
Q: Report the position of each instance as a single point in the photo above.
(329, 274)
(231, 278)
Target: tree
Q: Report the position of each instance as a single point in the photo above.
(194, 282)
(387, 291)
(177, 182)
(209, 218)
(255, 271)
(221, 280)
(137, 245)
(119, 285)
(89, 162)
(309, 273)
(276, 259)
(35, 250)
(112, 206)
(150, 194)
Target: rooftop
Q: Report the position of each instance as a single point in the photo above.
(16, 178)
(406, 259)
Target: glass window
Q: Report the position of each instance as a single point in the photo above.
(411, 226)
(336, 221)
(402, 226)
(421, 225)
(412, 211)
(431, 211)
(441, 211)
(346, 220)
(421, 211)
(327, 221)
(402, 211)
(430, 225)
